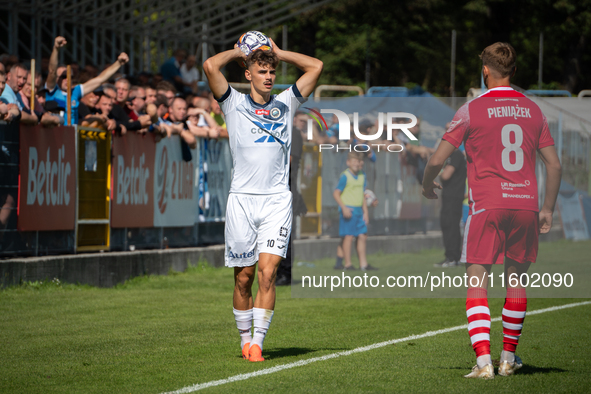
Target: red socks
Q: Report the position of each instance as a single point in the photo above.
(478, 320)
(513, 316)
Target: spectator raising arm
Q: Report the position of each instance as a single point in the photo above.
(52, 75)
(105, 75)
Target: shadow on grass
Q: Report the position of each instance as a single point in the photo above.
(525, 370)
(293, 351)
(532, 369)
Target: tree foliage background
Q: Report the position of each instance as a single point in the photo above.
(409, 41)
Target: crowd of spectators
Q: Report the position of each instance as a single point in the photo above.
(166, 103)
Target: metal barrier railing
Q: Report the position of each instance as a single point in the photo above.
(337, 88)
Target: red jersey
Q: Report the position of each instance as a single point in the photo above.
(502, 131)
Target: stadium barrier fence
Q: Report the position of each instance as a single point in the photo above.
(73, 189)
(77, 189)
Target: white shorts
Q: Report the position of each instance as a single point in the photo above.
(256, 224)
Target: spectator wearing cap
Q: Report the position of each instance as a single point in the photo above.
(24, 99)
(40, 95)
(55, 109)
(87, 107)
(171, 69)
(57, 83)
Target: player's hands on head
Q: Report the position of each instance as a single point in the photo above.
(429, 191)
(59, 42)
(545, 221)
(274, 46)
(239, 53)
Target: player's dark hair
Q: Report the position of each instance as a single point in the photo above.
(500, 57)
(262, 58)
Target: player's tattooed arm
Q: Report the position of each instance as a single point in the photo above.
(311, 67)
(213, 69)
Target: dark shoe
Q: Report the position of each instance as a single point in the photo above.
(283, 281)
(349, 268)
(338, 267)
(369, 268)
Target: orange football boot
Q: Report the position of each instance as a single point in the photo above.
(255, 354)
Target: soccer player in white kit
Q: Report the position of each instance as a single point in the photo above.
(258, 214)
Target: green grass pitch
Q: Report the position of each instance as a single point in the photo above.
(163, 333)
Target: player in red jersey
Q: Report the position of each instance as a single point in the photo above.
(502, 130)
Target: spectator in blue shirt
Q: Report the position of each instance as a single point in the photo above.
(15, 80)
(57, 83)
(171, 69)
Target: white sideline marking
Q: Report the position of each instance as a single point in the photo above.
(236, 378)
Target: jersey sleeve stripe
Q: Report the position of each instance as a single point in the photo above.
(296, 91)
(451, 140)
(225, 96)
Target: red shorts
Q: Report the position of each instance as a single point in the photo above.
(489, 236)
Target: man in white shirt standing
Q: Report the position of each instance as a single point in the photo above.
(190, 74)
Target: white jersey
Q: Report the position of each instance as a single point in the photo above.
(260, 140)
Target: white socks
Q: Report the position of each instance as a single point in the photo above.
(508, 357)
(483, 360)
(243, 322)
(262, 319)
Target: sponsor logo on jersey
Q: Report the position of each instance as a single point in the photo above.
(525, 196)
(262, 112)
(275, 113)
(453, 124)
(510, 186)
(243, 255)
(265, 139)
(283, 231)
(281, 247)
